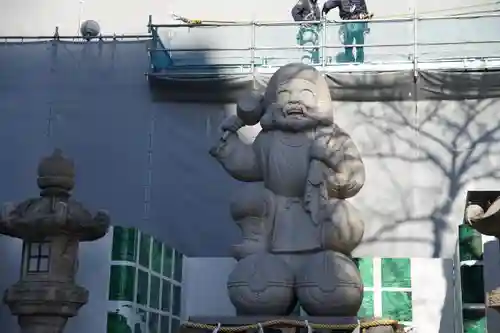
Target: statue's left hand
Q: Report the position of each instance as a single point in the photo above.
(319, 148)
(322, 150)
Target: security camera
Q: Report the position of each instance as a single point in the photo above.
(90, 29)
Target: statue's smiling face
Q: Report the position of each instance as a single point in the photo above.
(297, 98)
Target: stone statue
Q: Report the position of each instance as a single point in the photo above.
(45, 297)
(486, 221)
(298, 228)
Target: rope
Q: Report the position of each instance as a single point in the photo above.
(296, 323)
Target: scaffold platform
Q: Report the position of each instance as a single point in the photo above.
(398, 53)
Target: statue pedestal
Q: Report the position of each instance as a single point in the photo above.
(288, 324)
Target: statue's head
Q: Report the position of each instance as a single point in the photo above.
(297, 98)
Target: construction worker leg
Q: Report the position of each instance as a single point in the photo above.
(360, 51)
(348, 40)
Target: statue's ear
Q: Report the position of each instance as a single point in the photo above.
(325, 106)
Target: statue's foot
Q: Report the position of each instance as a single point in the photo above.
(262, 285)
(329, 284)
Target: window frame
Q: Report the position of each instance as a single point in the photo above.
(377, 289)
(39, 256)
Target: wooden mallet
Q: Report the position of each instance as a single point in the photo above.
(248, 109)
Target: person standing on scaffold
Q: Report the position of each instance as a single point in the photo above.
(354, 32)
(303, 11)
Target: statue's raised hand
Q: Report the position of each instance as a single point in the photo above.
(232, 124)
(229, 125)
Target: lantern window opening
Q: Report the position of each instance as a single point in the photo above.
(37, 257)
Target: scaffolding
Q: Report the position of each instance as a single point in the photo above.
(452, 43)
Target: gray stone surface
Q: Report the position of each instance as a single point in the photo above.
(297, 225)
(43, 300)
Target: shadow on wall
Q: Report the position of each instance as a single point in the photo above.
(448, 147)
(457, 142)
(92, 100)
(197, 74)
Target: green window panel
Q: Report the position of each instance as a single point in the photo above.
(175, 325)
(124, 244)
(472, 284)
(396, 272)
(154, 292)
(121, 283)
(367, 307)
(144, 250)
(365, 266)
(176, 301)
(154, 322)
(474, 321)
(397, 305)
(165, 296)
(168, 260)
(470, 246)
(117, 323)
(165, 324)
(156, 256)
(178, 267)
(142, 287)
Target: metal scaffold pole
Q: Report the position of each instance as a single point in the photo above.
(324, 42)
(415, 40)
(252, 48)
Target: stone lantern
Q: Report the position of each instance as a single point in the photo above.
(51, 227)
(487, 222)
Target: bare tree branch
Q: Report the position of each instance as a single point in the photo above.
(452, 163)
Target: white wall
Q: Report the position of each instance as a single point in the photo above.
(204, 287)
(433, 295)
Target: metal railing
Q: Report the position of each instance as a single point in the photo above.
(419, 37)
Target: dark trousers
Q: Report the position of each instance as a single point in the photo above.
(308, 35)
(354, 34)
